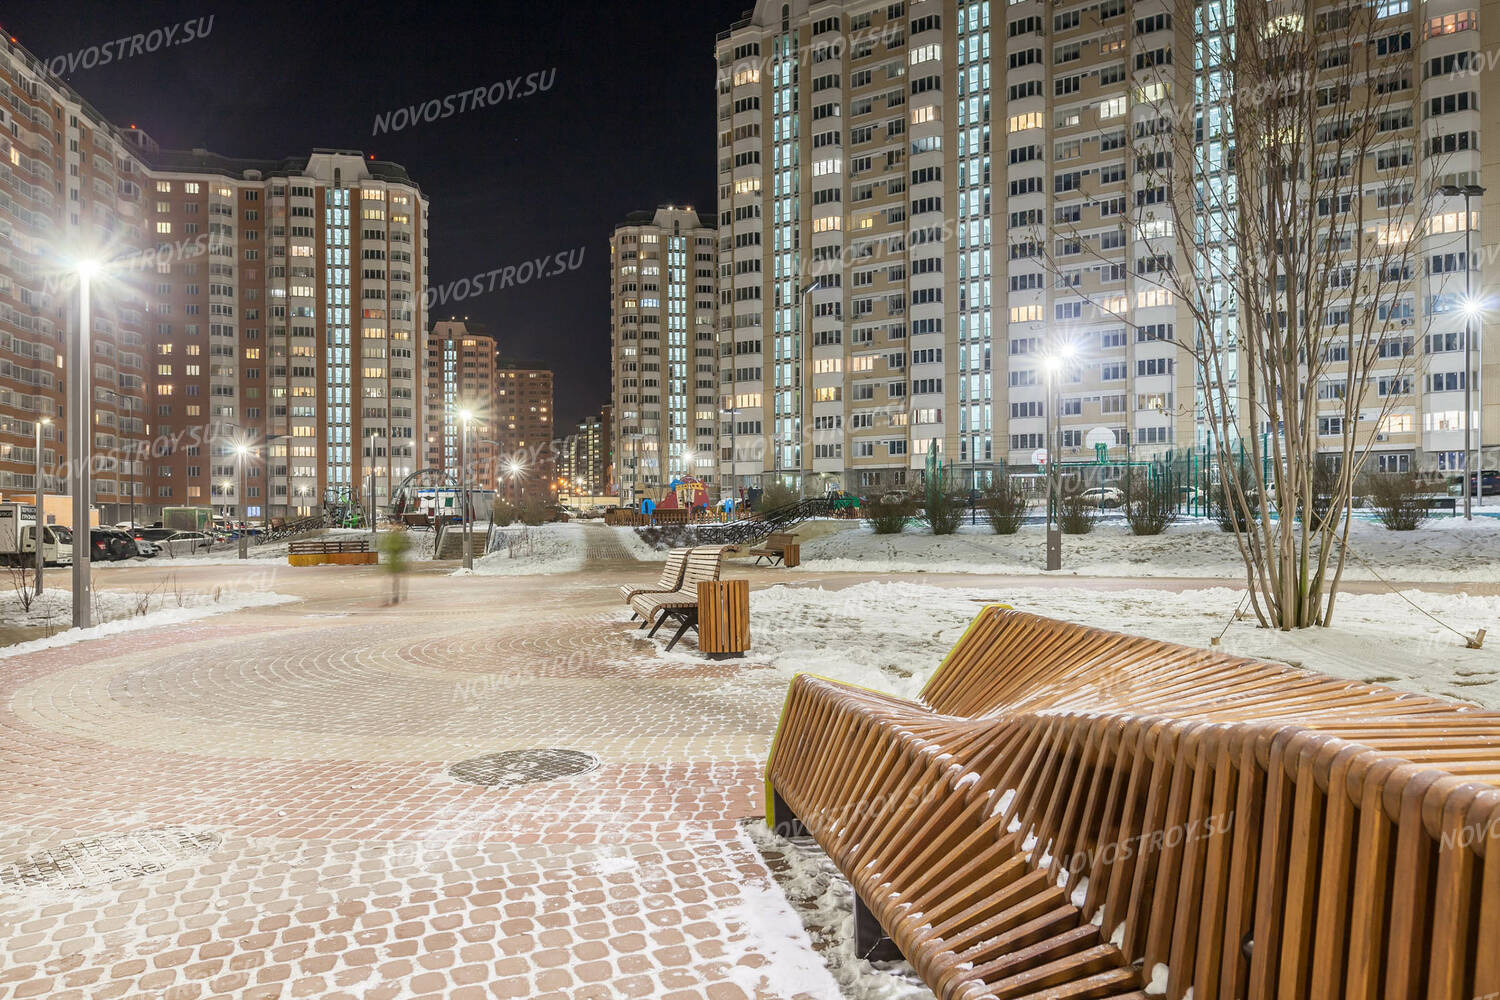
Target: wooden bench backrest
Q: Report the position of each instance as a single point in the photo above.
(780, 539)
(703, 565)
(671, 573)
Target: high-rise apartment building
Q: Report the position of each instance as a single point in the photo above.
(462, 375)
(523, 421)
(664, 361)
(583, 460)
(275, 304)
(919, 202)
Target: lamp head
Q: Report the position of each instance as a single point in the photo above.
(45, 421)
(87, 267)
(1471, 308)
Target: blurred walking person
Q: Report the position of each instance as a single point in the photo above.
(393, 547)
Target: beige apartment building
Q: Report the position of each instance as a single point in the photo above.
(921, 202)
(525, 430)
(463, 375)
(665, 368)
(275, 304)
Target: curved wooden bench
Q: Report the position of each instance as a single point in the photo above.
(1070, 812)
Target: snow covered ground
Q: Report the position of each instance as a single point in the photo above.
(891, 636)
(636, 546)
(1443, 549)
(543, 549)
(119, 611)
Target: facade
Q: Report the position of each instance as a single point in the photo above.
(462, 373)
(524, 428)
(274, 304)
(891, 177)
(583, 461)
(664, 367)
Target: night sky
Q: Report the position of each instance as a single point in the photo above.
(629, 124)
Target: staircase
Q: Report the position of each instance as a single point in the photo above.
(450, 542)
(763, 523)
(291, 529)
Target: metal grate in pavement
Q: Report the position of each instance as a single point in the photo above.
(521, 767)
(106, 859)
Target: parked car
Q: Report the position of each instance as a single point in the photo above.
(110, 545)
(1103, 496)
(146, 548)
(154, 534)
(1489, 479)
(187, 541)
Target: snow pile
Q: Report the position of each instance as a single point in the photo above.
(120, 611)
(636, 546)
(1443, 549)
(892, 636)
(528, 551)
(821, 912)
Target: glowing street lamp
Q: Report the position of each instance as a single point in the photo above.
(241, 452)
(40, 557)
(1054, 363)
(80, 427)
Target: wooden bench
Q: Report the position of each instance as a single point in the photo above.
(681, 605)
(775, 549)
(337, 552)
(668, 582)
(1070, 812)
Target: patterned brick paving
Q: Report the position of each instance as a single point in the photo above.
(312, 739)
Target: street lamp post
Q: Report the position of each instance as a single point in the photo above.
(1054, 364)
(41, 558)
(373, 439)
(1471, 312)
(80, 428)
(240, 452)
(463, 464)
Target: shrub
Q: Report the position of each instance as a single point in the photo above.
(776, 495)
(534, 511)
(887, 518)
(1398, 501)
(503, 512)
(1006, 506)
(1075, 515)
(1150, 504)
(669, 536)
(944, 511)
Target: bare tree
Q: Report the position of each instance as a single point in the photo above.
(1281, 202)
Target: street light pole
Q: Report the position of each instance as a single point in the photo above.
(80, 427)
(1471, 310)
(373, 439)
(463, 461)
(41, 558)
(239, 455)
(1054, 530)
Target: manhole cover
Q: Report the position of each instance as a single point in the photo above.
(520, 767)
(113, 857)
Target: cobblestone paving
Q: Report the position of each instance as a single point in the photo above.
(305, 748)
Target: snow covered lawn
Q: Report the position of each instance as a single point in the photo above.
(891, 636)
(1443, 549)
(118, 611)
(524, 551)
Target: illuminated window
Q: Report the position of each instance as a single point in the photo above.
(164, 187)
(1025, 314)
(828, 366)
(828, 394)
(829, 223)
(164, 227)
(1032, 119)
(1112, 108)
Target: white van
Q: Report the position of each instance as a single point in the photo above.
(18, 538)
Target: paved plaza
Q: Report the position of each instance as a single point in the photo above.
(258, 805)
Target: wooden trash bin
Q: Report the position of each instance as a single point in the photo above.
(791, 555)
(724, 617)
